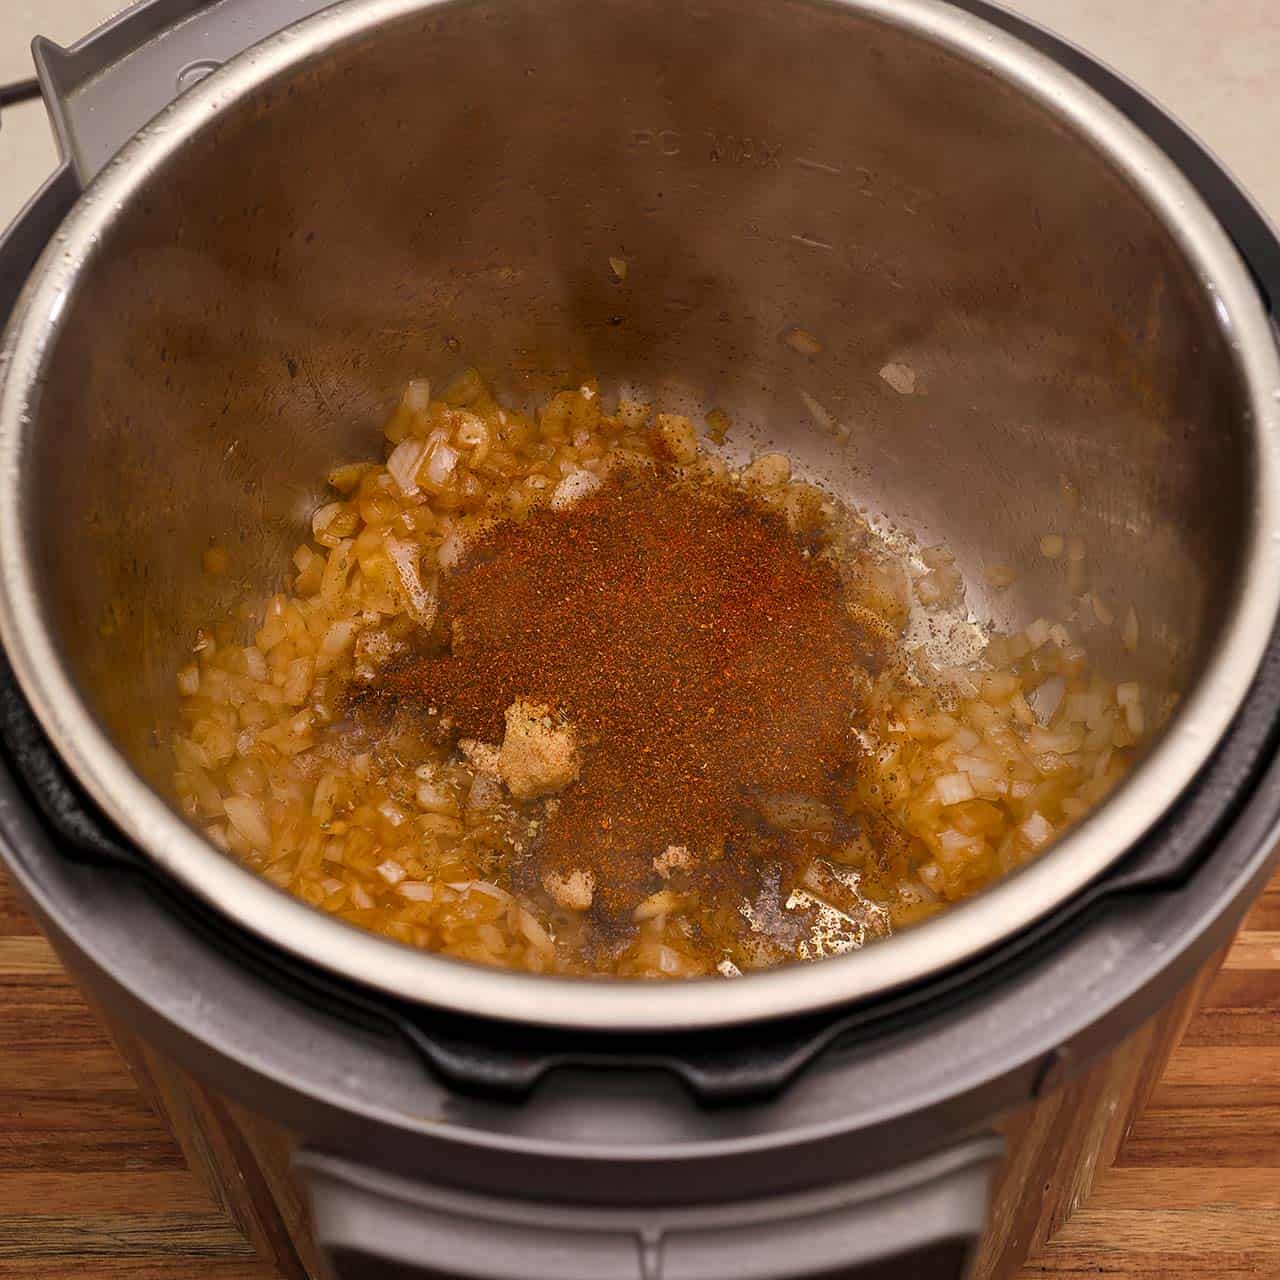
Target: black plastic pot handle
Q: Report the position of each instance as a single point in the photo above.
(25, 748)
(920, 1222)
(101, 90)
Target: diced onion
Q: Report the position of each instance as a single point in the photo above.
(337, 639)
(536, 935)
(1084, 708)
(485, 793)
(1048, 698)
(661, 903)
(324, 517)
(574, 487)
(403, 465)
(417, 395)
(823, 416)
(953, 788)
(249, 819)
(978, 767)
(1063, 743)
(901, 377)
(434, 798)
(1128, 694)
(422, 600)
(392, 813)
(1037, 829)
(441, 462)
(255, 662)
(1038, 633)
(391, 871)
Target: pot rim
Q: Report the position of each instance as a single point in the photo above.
(603, 1004)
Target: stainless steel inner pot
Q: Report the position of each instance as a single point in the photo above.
(400, 187)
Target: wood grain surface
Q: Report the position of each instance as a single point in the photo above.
(93, 1187)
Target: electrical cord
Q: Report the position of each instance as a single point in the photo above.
(18, 91)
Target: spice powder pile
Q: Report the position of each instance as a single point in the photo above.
(702, 652)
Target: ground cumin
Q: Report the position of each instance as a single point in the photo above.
(704, 654)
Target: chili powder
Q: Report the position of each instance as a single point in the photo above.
(703, 652)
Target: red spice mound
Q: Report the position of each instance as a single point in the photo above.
(701, 650)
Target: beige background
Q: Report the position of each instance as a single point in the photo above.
(1214, 63)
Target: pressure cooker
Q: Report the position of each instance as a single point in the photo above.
(271, 213)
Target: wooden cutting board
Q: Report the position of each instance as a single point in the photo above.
(92, 1186)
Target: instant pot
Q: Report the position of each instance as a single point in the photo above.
(271, 213)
